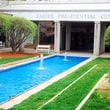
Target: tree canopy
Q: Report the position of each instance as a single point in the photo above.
(107, 36)
(5, 23)
(17, 30)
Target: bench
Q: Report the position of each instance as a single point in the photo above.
(2, 44)
(43, 48)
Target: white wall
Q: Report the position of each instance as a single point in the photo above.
(62, 11)
(64, 16)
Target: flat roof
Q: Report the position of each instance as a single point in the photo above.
(15, 6)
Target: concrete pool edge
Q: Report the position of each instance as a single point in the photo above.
(21, 62)
(16, 100)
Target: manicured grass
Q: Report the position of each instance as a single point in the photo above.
(70, 99)
(98, 101)
(8, 60)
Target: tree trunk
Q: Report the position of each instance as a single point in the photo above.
(35, 42)
(13, 49)
(21, 48)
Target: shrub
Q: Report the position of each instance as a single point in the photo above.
(107, 36)
(16, 30)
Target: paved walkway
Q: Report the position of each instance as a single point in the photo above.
(30, 50)
(26, 50)
(105, 55)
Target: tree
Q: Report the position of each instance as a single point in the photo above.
(21, 29)
(17, 30)
(107, 36)
(5, 23)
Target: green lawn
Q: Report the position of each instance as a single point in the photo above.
(70, 99)
(98, 101)
(8, 60)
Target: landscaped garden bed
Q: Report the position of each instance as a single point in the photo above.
(8, 57)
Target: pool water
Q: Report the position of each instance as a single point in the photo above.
(16, 80)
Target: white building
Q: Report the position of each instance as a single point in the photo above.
(78, 25)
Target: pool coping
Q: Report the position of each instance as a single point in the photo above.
(16, 63)
(19, 98)
(21, 62)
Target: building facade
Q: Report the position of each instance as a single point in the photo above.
(78, 25)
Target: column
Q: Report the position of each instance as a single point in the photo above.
(97, 29)
(102, 46)
(57, 37)
(61, 37)
(68, 36)
(38, 34)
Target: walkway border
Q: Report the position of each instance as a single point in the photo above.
(89, 94)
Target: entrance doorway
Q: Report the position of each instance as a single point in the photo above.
(81, 36)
